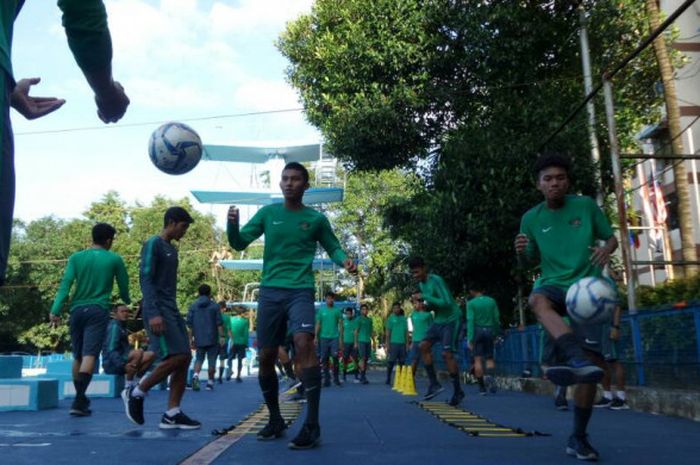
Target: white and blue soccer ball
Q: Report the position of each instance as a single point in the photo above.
(175, 148)
(591, 300)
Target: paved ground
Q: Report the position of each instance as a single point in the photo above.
(369, 423)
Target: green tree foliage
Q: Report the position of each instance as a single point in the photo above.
(477, 86)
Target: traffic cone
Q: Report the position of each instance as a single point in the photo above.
(397, 379)
(410, 383)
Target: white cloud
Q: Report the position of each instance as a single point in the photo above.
(256, 15)
(266, 95)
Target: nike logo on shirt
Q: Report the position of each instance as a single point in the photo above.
(304, 325)
(544, 230)
(277, 222)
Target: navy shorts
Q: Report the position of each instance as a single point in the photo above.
(445, 333)
(238, 351)
(397, 352)
(211, 352)
(364, 350)
(349, 350)
(280, 308)
(556, 295)
(174, 340)
(483, 342)
(329, 347)
(414, 352)
(88, 328)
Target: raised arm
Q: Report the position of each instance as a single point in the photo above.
(239, 240)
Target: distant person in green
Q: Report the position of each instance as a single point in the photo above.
(396, 338)
(363, 341)
(93, 271)
(85, 23)
(329, 333)
(560, 235)
(225, 349)
(483, 325)
(240, 329)
(349, 349)
(292, 234)
(445, 328)
(421, 320)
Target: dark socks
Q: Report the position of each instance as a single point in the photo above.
(455, 382)
(311, 378)
(430, 369)
(81, 384)
(480, 380)
(221, 372)
(570, 346)
(389, 369)
(289, 370)
(336, 368)
(270, 391)
(240, 367)
(581, 418)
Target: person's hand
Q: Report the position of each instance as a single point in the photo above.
(233, 214)
(350, 266)
(521, 242)
(599, 255)
(54, 320)
(32, 107)
(614, 334)
(157, 325)
(111, 103)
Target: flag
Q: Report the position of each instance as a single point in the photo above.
(654, 235)
(658, 205)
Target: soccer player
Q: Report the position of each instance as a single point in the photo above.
(118, 358)
(445, 328)
(396, 338)
(483, 325)
(292, 232)
(560, 235)
(204, 319)
(240, 331)
(421, 320)
(167, 330)
(93, 271)
(329, 331)
(85, 22)
(349, 349)
(363, 341)
(225, 349)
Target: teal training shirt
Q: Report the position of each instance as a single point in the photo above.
(482, 311)
(291, 238)
(438, 299)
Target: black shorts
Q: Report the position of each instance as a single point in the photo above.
(483, 342)
(397, 352)
(364, 350)
(238, 351)
(445, 333)
(279, 309)
(88, 328)
(349, 350)
(329, 347)
(211, 353)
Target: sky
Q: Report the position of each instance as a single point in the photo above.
(177, 60)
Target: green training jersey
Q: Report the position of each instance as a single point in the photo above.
(329, 318)
(291, 237)
(397, 325)
(349, 327)
(93, 271)
(421, 321)
(364, 329)
(239, 330)
(226, 324)
(438, 299)
(482, 311)
(561, 239)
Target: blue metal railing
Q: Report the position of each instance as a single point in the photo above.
(658, 348)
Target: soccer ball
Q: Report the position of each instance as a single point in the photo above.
(591, 300)
(175, 148)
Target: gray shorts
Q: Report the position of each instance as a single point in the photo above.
(483, 342)
(88, 328)
(364, 350)
(397, 352)
(328, 347)
(279, 308)
(173, 341)
(211, 352)
(114, 363)
(445, 333)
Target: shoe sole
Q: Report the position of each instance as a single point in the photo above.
(270, 438)
(626, 407)
(588, 458)
(293, 446)
(562, 408)
(167, 426)
(455, 404)
(79, 413)
(601, 406)
(433, 394)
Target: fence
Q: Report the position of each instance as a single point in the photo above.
(658, 348)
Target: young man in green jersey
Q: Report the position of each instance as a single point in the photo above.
(166, 328)
(363, 341)
(85, 23)
(207, 335)
(93, 271)
(349, 348)
(396, 338)
(445, 328)
(329, 333)
(240, 332)
(483, 325)
(292, 232)
(421, 320)
(561, 234)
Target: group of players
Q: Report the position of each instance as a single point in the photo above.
(560, 235)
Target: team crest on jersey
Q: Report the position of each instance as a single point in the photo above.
(576, 222)
(304, 226)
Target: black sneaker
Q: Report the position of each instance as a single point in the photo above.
(337, 382)
(575, 371)
(364, 380)
(327, 383)
(308, 438)
(178, 421)
(134, 408)
(273, 429)
(579, 447)
(482, 390)
(209, 387)
(560, 402)
(80, 408)
(221, 380)
(239, 380)
(457, 398)
(603, 403)
(433, 390)
(619, 404)
(491, 384)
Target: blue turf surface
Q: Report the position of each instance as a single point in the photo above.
(360, 424)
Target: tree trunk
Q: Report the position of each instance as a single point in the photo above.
(674, 126)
